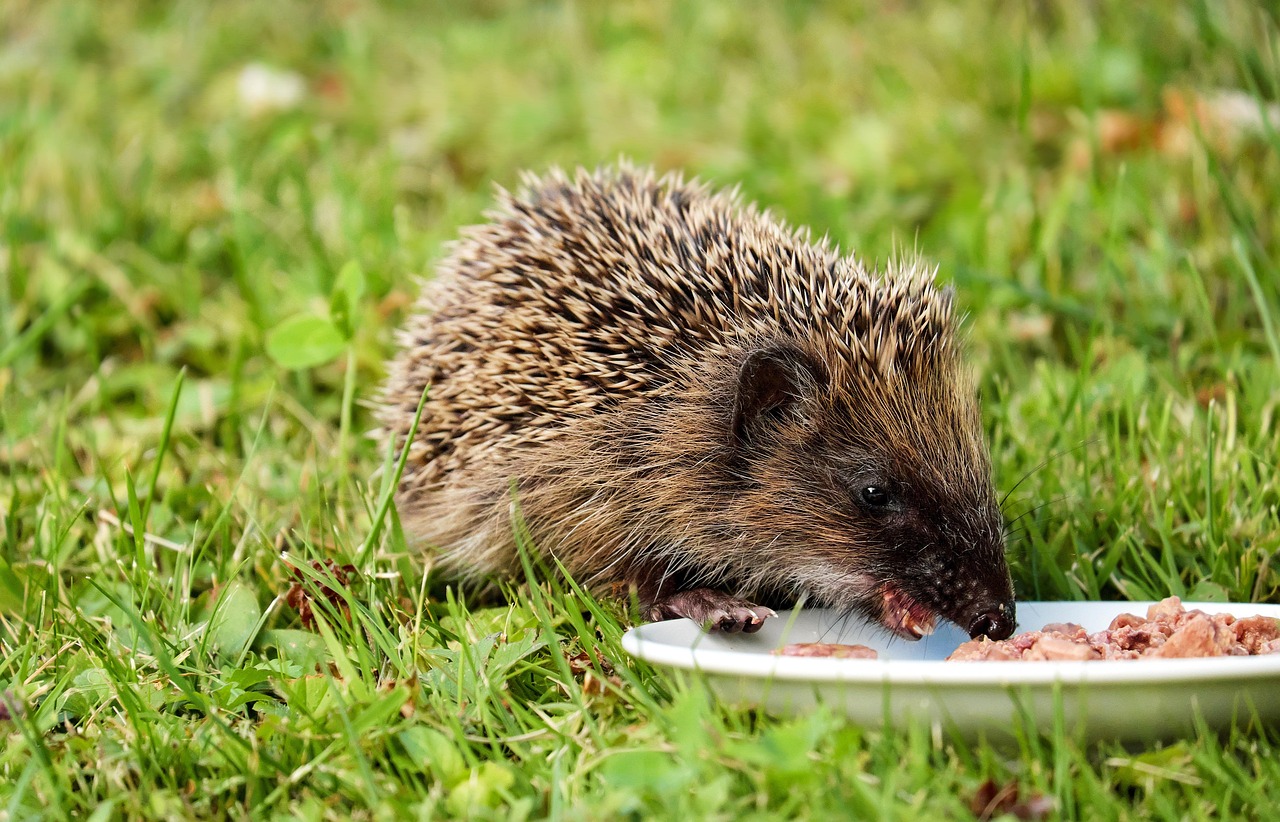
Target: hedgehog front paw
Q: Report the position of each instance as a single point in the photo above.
(714, 610)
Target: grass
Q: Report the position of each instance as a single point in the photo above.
(161, 476)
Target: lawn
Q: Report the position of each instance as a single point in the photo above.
(214, 216)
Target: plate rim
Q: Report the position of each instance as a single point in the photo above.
(939, 672)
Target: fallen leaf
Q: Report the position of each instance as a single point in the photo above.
(993, 800)
(9, 706)
(331, 86)
(1222, 117)
(1120, 131)
(299, 597)
(1215, 393)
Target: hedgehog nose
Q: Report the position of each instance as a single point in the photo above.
(997, 623)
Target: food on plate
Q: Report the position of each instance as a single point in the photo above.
(828, 649)
(1169, 631)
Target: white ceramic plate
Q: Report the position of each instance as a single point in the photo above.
(1125, 699)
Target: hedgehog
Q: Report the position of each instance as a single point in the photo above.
(674, 394)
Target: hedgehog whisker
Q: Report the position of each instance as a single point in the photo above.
(1053, 456)
(1035, 508)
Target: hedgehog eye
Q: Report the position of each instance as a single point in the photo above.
(875, 496)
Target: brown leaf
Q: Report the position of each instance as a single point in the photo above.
(593, 685)
(1216, 393)
(992, 800)
(9, 706)
(1121, 131)
(579, 663)
(1222, 117)
(331, 86)
(300, 598)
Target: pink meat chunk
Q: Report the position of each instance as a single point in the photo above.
(983, 649)
(1055, 646)
(1168, 631)
(1257, 632)
(827, 649)
(1196, 637)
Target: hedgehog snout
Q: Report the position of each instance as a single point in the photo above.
(972, 590)
(987, 607)
(996, 622)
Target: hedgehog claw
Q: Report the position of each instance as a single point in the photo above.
(714, 610)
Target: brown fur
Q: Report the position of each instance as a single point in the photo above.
(686, 393)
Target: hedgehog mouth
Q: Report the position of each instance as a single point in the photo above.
(904, 615)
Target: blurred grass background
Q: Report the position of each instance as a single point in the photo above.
(181, 178)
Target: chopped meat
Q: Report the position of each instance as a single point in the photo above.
(1256, 632)
(1125, 621)
(1167, 609)
(1197, 636)
(1137, 638)
(829, 649)
(1056, 646)
(985, 649)
(1065, 628)
(1168, 631)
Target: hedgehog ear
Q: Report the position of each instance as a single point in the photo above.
(773, 382)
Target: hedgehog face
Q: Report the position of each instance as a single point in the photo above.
(903, 526)
(930, 547)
